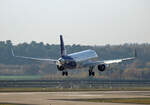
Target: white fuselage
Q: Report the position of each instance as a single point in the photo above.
(83, 56)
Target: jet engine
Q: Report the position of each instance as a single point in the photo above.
(101, 67)
(60, 64)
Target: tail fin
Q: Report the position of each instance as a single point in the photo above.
(63, 50)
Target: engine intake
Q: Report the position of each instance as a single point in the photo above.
(101, 67)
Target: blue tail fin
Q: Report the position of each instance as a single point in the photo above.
(62, 47)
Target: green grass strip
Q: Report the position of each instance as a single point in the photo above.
(119, 100)
(23, 77)
(40, 89)
(12, 104)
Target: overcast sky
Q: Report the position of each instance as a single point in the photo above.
(86, 22)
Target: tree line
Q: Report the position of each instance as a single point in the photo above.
(137, 69)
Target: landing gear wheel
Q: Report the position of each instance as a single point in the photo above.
(91, 73)
(64, 73)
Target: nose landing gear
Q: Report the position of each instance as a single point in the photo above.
(64, 73)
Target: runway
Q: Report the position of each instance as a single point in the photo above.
(59, 98)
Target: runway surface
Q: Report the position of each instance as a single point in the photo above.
(58, 98)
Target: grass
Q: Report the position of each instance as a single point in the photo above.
(40, 89)
(12, 104)
(25, 77)
(117, 100)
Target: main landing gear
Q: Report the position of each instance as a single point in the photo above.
(64, 73)
(91, 73)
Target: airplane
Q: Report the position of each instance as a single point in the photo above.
(78, 60)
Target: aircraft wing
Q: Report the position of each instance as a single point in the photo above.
(107, 62)
(117, 60)
(114, 61)
(51, 61)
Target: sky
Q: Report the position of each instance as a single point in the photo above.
(85, 22)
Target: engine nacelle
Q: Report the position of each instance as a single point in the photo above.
(60, 68)
(101, 67)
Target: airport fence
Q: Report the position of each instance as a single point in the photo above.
(74, 83)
